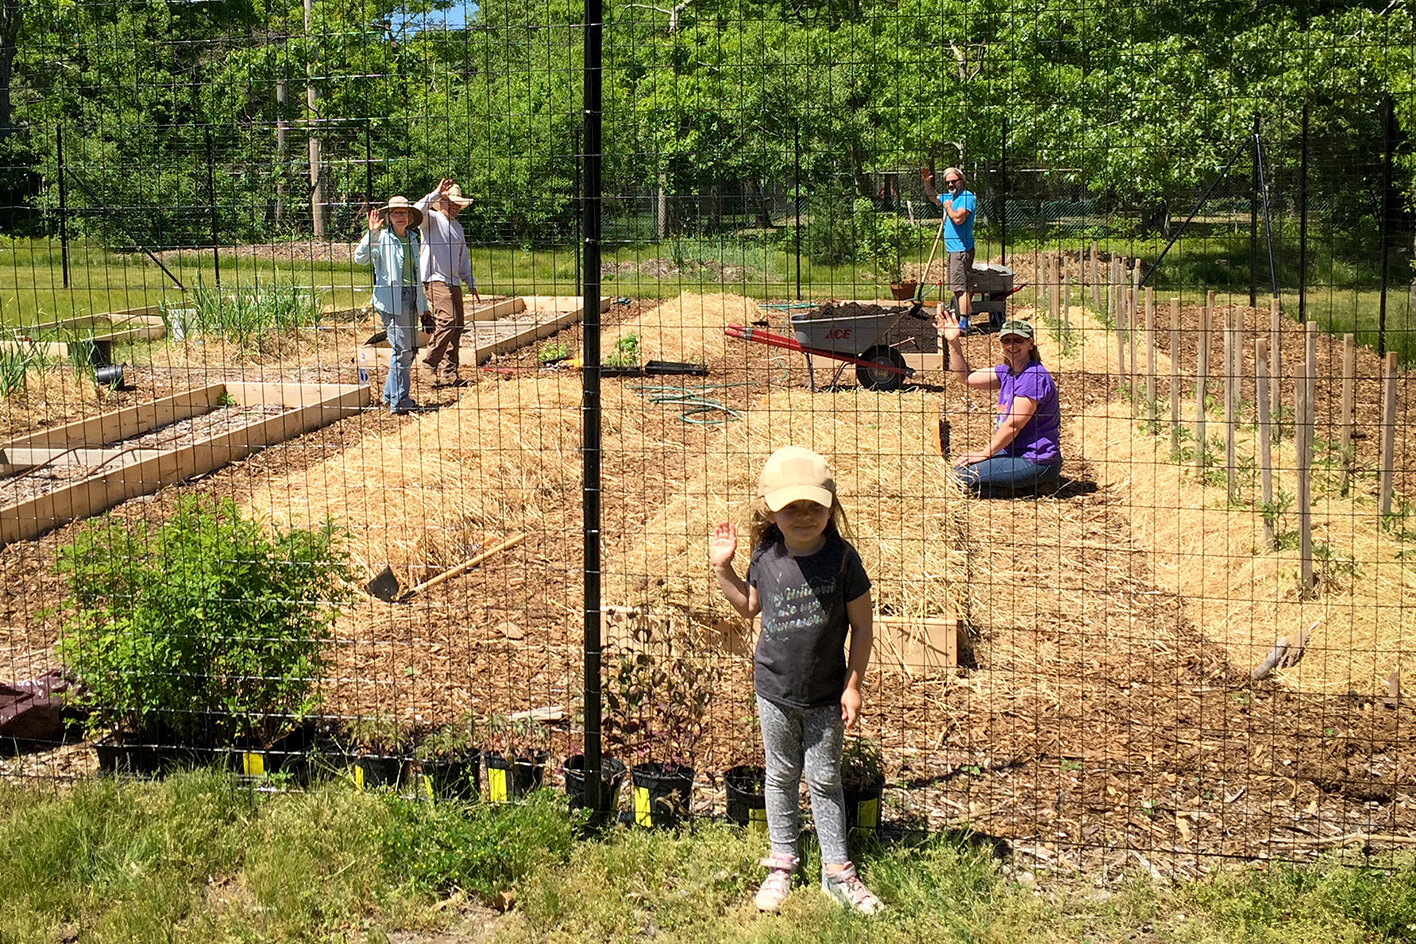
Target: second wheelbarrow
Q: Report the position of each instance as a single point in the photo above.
(854, 339)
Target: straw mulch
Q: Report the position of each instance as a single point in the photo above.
(422, 497)
(1243, 594)
(901, 507)
(52, 396)
(687, 328)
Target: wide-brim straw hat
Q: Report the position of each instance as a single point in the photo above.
(415, 215)
(454, 193)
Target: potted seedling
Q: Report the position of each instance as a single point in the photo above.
(449, 761)
(612, 771)
(658, 706)
(515, 766)
(205, 633)
(746, 788)
(381, 751)
(862, 780)
(745, 783)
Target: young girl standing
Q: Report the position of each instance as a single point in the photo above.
(812, 591)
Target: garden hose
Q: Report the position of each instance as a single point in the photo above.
(693, 402)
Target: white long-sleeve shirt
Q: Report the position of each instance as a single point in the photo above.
(443, 256)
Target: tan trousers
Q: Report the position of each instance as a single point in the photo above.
(445, 305)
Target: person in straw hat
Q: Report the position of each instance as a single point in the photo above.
(391, 247)
(446, 268)
(812, 590)
(1024, 451)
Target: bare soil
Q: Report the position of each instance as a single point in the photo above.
(1147, 749)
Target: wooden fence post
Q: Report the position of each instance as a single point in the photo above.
(1349, 412)
(1150, 345)
(1388, 431)
(1261, 394)
(1303, 438)
(1095, 278)
(1202, 366)
(1275, 365)
(1174, 368)
(1231, 396)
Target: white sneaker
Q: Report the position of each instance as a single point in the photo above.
(778, 884)
(846, 888)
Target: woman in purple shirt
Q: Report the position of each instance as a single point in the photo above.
(1024, 451)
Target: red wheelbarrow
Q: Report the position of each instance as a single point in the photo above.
(854, 339)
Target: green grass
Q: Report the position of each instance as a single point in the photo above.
(200, 857)
(1342, 295)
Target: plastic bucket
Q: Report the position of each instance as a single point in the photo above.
(510, 779)
(747, 801)
(611, 776)
(449, 778)
(863, 805)
(661, 793)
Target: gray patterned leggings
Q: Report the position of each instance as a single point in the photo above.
(797, 741)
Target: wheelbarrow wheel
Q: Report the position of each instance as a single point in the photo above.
(878, 374)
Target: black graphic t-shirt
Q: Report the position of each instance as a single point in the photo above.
(801, 659)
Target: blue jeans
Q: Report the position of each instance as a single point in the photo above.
(402, 342)
(1004, 475)
(797, 741)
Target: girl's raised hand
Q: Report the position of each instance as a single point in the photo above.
(722, 544)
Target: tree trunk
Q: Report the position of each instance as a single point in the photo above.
(312, 97)
(759, 202)
(281, 150)
(11, 15)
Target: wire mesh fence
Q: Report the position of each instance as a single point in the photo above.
(219, 542)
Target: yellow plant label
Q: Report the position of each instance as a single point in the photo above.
(642, 813)
(496, 785)
(253, 764)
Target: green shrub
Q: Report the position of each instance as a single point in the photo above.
(829, 236)
(203, 628)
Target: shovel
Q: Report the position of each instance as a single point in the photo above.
(384, 586)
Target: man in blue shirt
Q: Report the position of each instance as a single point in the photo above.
(958, 205)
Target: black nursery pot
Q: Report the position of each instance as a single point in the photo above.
(378, 770)
(514, 778)
(452, 778)
(661, 793)
(611, 776)
(747, 800)
(863, 805)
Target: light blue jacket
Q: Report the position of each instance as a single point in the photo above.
(384, 251)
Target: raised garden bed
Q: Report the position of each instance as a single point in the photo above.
(57, 475)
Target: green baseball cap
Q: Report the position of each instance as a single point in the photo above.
(1020, 329)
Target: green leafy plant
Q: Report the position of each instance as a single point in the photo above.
(658, 705)
(862, 763)
(513, 738)
(1275, 515)
(550, 353)
(247, 318)
(452, 741)
(204, 628)
(625, 353)
(17, 359)
(378, 734)
(881, 241)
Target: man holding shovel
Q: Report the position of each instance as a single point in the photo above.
(958, 205)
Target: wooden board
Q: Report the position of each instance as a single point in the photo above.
(141, 471)
(527, 319)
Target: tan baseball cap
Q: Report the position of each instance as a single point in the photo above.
(793, 473)
(1017, 329)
